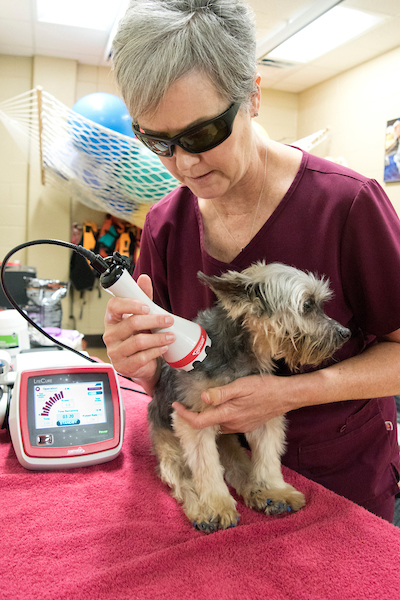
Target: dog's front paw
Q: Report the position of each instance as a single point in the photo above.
(209, 521)
(275, 502)
(213, 524)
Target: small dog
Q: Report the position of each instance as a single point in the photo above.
(264, 313)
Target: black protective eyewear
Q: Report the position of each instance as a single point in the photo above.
(200, 138)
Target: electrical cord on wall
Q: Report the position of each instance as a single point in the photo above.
(96, 261)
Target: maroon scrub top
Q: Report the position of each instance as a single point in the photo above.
(332, 222)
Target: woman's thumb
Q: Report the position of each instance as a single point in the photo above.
(219, 395)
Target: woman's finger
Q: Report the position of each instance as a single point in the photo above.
(201, 420)
(218, 395)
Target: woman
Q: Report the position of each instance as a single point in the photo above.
(187, 72)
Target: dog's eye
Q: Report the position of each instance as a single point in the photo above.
(308, 305)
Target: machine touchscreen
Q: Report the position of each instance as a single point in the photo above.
(66, 416)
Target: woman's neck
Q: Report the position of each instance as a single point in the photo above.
(232, 221)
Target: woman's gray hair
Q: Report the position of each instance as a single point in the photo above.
(160, 41)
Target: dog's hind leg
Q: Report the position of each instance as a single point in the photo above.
(267, 490)
(236, 462)
(217, 508)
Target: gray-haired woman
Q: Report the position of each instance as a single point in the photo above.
(187, 72)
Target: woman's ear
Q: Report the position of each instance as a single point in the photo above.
(256, 97)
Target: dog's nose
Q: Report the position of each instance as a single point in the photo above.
(344, 333)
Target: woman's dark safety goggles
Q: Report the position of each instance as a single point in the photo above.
(200, 138)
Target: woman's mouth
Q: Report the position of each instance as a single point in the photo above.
(200, 177)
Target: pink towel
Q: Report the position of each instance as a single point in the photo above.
(112, 531)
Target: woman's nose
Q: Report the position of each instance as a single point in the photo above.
(185, 160)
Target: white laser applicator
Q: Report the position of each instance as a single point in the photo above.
(191, 339)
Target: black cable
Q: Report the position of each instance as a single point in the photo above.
(96, 261)
(131, 389)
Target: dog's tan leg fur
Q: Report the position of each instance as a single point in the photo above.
(173, 471)
(217, 508)
(267, 490)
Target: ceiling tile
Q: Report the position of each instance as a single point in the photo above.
(16, 9)
(16, 32)
(69, 39)
(272, 75)
(388, 7)
(304, 77)
(276, 14)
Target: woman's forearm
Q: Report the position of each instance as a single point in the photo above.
(374, 373)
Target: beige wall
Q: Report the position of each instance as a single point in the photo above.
(49, 209)
(278, 115)
(356, 105)
(15, 79)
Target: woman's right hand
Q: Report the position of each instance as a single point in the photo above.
(131, 347)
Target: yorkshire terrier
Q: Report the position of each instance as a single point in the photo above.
(264, 313)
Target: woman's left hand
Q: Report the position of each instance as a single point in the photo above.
(241, 406)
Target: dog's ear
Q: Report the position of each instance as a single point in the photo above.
(230, 283)
(234, 290)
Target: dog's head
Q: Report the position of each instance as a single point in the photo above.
(282, 307)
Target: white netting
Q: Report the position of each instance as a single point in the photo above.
(99, 167)
(311, 141)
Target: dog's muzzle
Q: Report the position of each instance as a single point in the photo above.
(343, 333)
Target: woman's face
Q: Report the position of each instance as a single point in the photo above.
(212, 174)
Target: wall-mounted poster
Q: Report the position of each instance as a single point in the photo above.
(392, 151)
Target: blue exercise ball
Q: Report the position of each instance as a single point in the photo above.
(108, 111)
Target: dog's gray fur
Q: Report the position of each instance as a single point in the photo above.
(264, 313)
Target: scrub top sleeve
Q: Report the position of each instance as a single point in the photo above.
(370, 261)
(150, 263)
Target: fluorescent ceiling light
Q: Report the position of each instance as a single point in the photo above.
(91, 14)
(334, 28)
